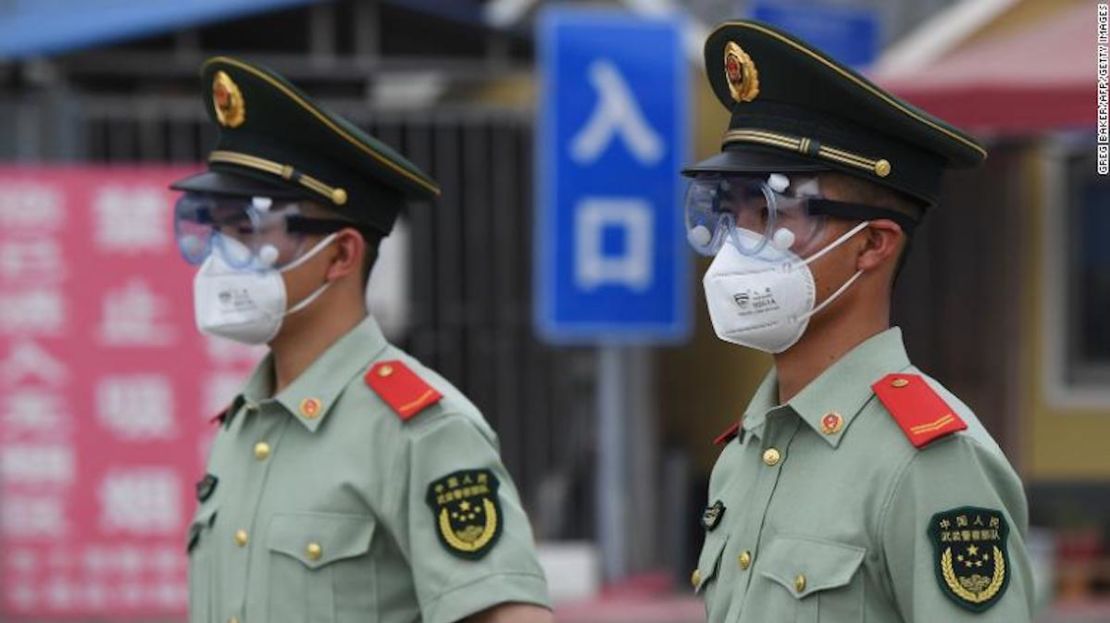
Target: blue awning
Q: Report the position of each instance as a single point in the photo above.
(43, 27)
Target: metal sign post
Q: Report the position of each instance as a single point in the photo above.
(611, 264)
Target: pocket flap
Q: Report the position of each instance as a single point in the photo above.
(804, 565)
(710, 559)
(204, 518)
(318, 539)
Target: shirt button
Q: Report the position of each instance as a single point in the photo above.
(771, 457)
(745, 560)
(800, 583)
(241, 538)
(261, 450)
(233, 620)
(314, 551)
(695, 578)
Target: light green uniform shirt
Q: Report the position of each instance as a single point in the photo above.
(831, 518)
(327, 507)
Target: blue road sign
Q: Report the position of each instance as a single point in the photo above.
(850, 35)
(611, 258)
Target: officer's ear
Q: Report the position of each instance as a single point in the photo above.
(350, 248)
(882, 243)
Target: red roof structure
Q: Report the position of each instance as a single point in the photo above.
(1040, 77)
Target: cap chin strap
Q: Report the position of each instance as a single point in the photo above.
(308, 300)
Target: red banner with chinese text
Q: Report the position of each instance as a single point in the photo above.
(107, 389)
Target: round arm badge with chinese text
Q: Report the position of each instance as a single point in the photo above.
(467, 512)
(972, 564)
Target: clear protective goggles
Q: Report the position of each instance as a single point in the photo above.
(247, 232)
(758, 214)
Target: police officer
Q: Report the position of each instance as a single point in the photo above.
(347, 481)
(855, 487)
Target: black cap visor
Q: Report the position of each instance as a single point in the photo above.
(752, 159)
(240, 185)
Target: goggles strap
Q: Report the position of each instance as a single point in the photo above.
(843, 209)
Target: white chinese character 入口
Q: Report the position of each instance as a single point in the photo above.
(141, 501)
(136, 407)
(30, 207)
(25, 516)
(35, 260)
(617, 114)
(27, 359)
(131, 219)
(35, 411)
(37, 464)
(38, 310)
(134, 315)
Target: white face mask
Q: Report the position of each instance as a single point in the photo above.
(246, 305)
(764, 301)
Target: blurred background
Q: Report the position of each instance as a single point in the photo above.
(606, 416)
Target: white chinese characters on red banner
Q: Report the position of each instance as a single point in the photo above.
(105, 394)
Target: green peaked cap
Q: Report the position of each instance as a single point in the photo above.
(795, 109)
(275, 141)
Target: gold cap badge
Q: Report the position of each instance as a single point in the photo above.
(740, 71)
(227, 100)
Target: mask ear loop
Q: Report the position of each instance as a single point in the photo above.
(308, 300)
(836, 243)
(847, 284)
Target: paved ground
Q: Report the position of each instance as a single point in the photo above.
(629, 608)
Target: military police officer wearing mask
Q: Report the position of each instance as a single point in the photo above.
(347, 481)
(855, 487)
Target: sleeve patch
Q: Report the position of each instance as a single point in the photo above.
(919, 411)
(400, 388)
(466, 510)
(711, 517)
(971, 560)
(206, 487)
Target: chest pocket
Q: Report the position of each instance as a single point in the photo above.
(198, 545)
(319, 568)
(819, 576)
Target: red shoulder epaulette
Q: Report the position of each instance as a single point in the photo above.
(727, 436)
(401, 389)
(922, 414)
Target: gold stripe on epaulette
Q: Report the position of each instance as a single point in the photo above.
(338, 196)
(889, 100)
(880, 167)
(312, 109)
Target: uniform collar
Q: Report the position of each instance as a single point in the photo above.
(840, 392)
(310, 397)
